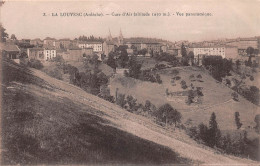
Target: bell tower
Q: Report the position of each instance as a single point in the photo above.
(120, 38)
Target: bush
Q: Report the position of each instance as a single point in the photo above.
(183, 85)
(251, 78)
(199, 76)
(192, 76)
(228, 82)
(35, 63)
(193, 132)
(175, 72)
(234, 96)
(131, 103)
(176, 78)
(121, 100)
(56, 73)
(167, 114)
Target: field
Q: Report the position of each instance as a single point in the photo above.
(217, 97)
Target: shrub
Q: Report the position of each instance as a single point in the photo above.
(56, 73)
(237, 120)
(228, 82)
(158, 78)
(175, 72)
(183, 85)
(251, 78)
(131, 103)
(191, 96)
(192, 76)
(193, 132)
(234, 96)
(199, 76)
(199, 91)
(177, 78)
(35, 63)
(121, 100)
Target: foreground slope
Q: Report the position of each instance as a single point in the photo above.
(48, 121)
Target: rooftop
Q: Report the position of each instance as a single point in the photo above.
(9, 47)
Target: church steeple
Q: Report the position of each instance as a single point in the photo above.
(109, 38)
(120, 38)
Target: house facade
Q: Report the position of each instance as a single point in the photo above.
(49, 41)
(10, 51)
(35, 53)
(49, 53)
(96, 46)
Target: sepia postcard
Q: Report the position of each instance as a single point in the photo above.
(143, 82)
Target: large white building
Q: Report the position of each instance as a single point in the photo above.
(49, 53)
(96, 46)
(209, 51)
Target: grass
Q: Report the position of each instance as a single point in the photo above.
(217, 97)
(41, 128)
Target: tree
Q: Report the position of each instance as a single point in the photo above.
(123, 58)
(237, 120)
(120, 100)
(203, 132)
(13, 37)
(191, 57)
(131, 103)
(183, 50)
(34, 63)
(134, 68)
(237, 64)
(250, 51)
(214, 133)
(257, 121)
(191, 96)
(147, 105)
(4, 35)
(168, 114)
(111, 60)
(184, 60)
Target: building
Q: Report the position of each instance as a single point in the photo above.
(10, 51)
(49, 41)
(243, 43)
(164, 48)
(49, 52)
(152, 47)
(74, 54)
(36, 42)
(228, 52)
(120, 39)
(96, 45)
(176, 51)
(63, 44)
(25, 41)
(35, 53)
(231, 53)
(108, 46)
(87, 52)
(209, 51)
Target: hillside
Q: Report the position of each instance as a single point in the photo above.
(47, 121)
(216, 96)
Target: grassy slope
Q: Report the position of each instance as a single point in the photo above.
(217, 97)
(42, 127)
(49, 121)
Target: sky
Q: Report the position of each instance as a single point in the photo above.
(230, 19)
